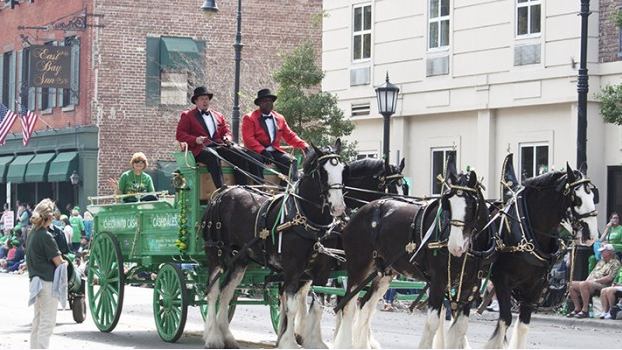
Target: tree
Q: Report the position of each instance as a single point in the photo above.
(313, 114)
(611, 104)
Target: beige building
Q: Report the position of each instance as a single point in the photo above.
(480, 77)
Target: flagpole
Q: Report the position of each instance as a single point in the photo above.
(39, 117)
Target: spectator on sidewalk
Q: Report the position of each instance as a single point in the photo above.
(608, 296)
(601, 277)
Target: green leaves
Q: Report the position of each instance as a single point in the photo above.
(611, 104)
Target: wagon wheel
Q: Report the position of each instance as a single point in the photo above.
(232, 305)
(106, 281)
(170, 302)
(271, 296)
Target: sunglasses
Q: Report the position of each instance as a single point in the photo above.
(139, 162)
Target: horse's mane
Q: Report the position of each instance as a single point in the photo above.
(545, 180)
(311, 156)
(366, 167)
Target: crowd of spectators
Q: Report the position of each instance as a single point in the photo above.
(14, 231)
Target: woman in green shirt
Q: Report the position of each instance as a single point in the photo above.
(135, 180)
(613, 232)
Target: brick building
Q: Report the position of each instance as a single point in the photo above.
(133, 66)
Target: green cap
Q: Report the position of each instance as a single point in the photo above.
(15, 242)
(76, 208)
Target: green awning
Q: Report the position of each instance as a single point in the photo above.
(63, 166)
(37, 170)
(17, 170)
(177, 52)
(4, 165)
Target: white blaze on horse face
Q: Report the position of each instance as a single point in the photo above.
(587, 206)
(334, 170)
(457, 243)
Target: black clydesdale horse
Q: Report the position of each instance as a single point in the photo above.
(421, 241)
(371, 179)
(529, 244)
(242, 225)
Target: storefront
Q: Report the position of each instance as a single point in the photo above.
(58, 164)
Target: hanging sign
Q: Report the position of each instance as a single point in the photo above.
(50, 66)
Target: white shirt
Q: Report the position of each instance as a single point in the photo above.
(68, 233)
(270, 124)
(209, 121)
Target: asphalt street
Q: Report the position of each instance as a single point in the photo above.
(251, 326)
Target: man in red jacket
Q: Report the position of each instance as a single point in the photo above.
(203, 128)
(262, 131)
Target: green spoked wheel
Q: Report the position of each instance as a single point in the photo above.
(170, 302)
(271, 296)
(106, 281)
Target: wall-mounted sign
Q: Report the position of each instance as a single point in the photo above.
(50, 66)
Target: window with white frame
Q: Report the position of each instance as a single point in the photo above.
(534, 159)
(528, 17)
(439, 158)
(366, 154)
(438, 24)
(361, 32)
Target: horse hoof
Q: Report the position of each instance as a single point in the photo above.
(231, 345)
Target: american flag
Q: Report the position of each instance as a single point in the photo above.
(7, 119)
(29, 119)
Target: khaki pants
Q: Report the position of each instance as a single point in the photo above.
(44, 321)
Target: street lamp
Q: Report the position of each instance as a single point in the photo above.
(75, 181)
(209, 9)
(387, 101)
(582, 89)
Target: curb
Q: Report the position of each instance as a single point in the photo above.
(576, 322)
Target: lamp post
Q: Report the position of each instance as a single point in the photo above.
(387, 101)
(582, 89)
(75, 181)
(209, 9)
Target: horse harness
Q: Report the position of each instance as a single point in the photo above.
(290, 213)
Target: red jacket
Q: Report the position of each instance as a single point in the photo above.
(256, 136)
(191, 125)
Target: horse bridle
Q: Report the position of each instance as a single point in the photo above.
(334, 159)
(460, 191)
(386, 181)
(569, 191)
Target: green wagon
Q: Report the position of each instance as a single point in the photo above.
(160, 237)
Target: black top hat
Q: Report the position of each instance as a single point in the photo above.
(263, 93)
(201, 91)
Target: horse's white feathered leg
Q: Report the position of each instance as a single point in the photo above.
(457, 332)
(343, 334)
(287, 339)
(519, 336)
(212, 334)
(223, 313)
(363, 338)
(497, 341)
(438, 342)
(432, 323)
(302, 314)
(312, 338)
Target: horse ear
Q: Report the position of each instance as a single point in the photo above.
(450, 166)
(570, 173)
(338, 146)
(472, 179)
(317, 150)
(508, 173)
(402, 165)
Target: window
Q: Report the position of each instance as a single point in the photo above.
(70, 97)
(438, 24)
(534, 159)
(8, 80)
(528, 17)
(439, 158)
(174, 88)
(173, 66)
(366, 154)
(361, 33)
